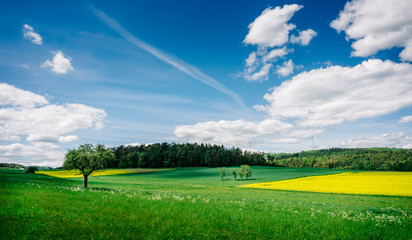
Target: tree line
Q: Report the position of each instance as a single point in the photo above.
(11, 165)
(382, 159)
(169, 155)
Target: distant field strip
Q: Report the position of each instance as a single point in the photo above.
(373, 183)
(76, 173)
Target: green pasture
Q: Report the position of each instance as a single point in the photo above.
(192, 203)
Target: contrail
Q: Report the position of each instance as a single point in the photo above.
(171, 60)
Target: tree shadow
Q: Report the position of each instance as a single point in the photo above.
(101, 189)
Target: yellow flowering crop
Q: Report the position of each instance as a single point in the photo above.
(374, 183)
(76, 173)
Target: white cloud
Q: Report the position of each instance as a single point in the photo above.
(23, 113)
(59, 64)
(376, 25)
(286, 69)
(30, 34)
(329, 96)
(271, 28)
(270, 31)
(68, 139)
(239, 132)
(304, 37)
(41, 137)
(259, 63)
(407, 146)
(386, 140)
(132, 144)
(50, 119)
(40, 154)
(251, 59)
(10, 95)
(262, 75)
(405, 119)
(51, 138)
(303, 106)
(275, 53)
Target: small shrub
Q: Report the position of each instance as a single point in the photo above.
(234, 172)
(222, 173)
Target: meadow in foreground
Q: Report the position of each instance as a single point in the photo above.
(192, 204)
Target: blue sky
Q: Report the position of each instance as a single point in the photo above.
(261, 75)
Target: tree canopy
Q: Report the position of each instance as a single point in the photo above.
(87, 159)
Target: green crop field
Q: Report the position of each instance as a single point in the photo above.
(192, 203)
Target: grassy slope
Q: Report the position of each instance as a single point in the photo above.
(192, 203)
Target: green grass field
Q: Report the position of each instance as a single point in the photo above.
(192, 203)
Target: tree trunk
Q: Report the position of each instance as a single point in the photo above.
(85, 181)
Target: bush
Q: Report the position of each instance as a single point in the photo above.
(31, 169)
(222, 173)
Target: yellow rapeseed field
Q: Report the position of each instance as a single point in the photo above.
(373, 183)
(76, 173)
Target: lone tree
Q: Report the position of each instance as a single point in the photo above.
(31, 169)
(88, 159)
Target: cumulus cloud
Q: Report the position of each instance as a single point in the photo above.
(310, 101)
(26, 114)
(238, 132)
(270, 33)
(251, 59)
(304, 37)
(59, 64)
(42, 137)
(405, 119)
(286, 69)
(275, 53)
(68, 139)
(10, 95)
(30, 34)
(40, 154)
(50, 119)
(375, 25)
(262, 75)
(271, 28)
(386, 140)
(329, 96)
(258, 64)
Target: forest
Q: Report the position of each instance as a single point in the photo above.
(383, 159)
(166, 155)
(169, 155)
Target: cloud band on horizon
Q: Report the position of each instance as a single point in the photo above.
(177, 63)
